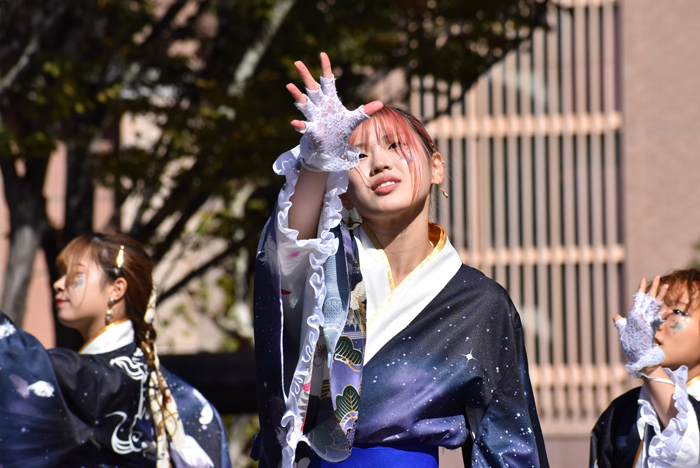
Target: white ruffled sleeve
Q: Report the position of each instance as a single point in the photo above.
(295, 254)
(678, 444)
(301, 265)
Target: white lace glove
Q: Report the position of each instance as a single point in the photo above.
(329, 124)
(637, 334)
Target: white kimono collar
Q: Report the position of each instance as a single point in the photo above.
(112, 337)
(390, 309)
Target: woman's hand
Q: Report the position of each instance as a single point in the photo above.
(329, 124)
(637, 332)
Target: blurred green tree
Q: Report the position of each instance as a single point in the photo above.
(210, 76)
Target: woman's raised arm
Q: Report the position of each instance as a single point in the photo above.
(324, 146)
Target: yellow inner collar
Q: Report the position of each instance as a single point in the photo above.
(692, 381)
(436, 235)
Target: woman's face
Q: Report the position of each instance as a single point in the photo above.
(382, 185)
(679, 335)
(82, 300)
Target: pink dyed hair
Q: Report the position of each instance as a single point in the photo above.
(398, 125)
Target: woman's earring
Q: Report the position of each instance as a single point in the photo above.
(110, 311)
(444, 194)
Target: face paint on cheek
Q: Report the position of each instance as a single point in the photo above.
(406, 156)
(79, 283)
(677, 327)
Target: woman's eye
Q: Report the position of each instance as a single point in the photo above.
(362, 155)
(394, 145)
(680, 312)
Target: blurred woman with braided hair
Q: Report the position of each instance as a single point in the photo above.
(110, 404)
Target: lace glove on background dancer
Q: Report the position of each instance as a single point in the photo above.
(637, 333)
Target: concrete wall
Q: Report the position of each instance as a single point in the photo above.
(660, 88)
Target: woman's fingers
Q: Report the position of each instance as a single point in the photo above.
(299, 125)
(642, 286)
(326, 70)
(662, 293)
(306, 77)
(654, 286)
(616, 318)
(373, 107)
(296, 94)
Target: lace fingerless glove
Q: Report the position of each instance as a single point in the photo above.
(329, 124)
(637, 334)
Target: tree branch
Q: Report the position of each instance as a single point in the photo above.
(192, 207)
(254, 54)
(41, 25)
(142, 231)
(164, 22)
(214, 261)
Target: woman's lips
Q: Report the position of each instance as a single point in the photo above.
(60, 302)
(385, 185)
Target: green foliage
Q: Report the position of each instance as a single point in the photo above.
(175, 62)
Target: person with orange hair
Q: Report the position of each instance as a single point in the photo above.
(657, 425)
(375, 344)
(111, 404)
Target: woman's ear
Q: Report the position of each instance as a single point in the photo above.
(118, 289)
(347, 203)
(438, 168)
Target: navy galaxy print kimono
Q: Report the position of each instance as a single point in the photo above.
(59, 408)
(353, 367)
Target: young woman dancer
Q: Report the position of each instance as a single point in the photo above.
(110, 404)
(376, 346)
(656, 425)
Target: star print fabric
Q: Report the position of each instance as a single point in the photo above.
(453, 375)
(464, 350)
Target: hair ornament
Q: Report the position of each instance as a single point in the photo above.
(120, 257)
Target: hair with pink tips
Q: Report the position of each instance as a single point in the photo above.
(393, 124)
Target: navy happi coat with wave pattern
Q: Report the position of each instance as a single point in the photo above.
(62, 409)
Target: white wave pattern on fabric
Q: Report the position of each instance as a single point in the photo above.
(323, 247)
(42, 389)
(122, 446)
(20, 385)
(6, 329)
(136, 371)
(206, 415)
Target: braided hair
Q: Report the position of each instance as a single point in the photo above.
(120, 256)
